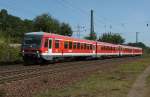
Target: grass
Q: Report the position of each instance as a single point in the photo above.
(114, 83)
(8, 54)
(147, 87)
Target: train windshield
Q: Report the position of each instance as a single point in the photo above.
(33, 41)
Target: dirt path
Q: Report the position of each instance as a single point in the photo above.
(138, 89)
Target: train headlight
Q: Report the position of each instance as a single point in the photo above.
(37, 51)
(38, 54)
(23, 52)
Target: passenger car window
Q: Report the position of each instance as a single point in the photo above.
(56, 43)
(70, 45)
(78, 45)
(46, 43)
(66, 44)
(84, 45)
(74, 45)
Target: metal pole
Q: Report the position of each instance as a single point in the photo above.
(137, 33)
(92, 23)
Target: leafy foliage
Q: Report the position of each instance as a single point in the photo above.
(139, 44)
(112, 38)
(46, 23)
(65, 29)
(9, 53)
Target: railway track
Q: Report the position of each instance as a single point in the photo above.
(27, 73)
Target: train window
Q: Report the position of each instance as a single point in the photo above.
(78, 45)
(106, 48)
(70, 45)
(90, 46)
(66, 44)
(102, 48)
(114, 48)
(84, 45)
(93, 47)
(46, 43)
(74, 45)
(56, 43)
(99, 47)
(111, 48)
(50, 43)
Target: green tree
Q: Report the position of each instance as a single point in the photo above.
(42, 23)
(112, 38)
(139, 44)
(66, 29)
(46, 23)
(11, 26)
(28, 25)
(3, 17)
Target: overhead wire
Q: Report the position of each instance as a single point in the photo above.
(85, 12)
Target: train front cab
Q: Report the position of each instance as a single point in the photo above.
(37, 48)
(31, 47)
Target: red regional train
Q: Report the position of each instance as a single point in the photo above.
(42, 46)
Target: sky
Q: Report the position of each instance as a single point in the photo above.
(125, 17)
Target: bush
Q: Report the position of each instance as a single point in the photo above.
(9, 53)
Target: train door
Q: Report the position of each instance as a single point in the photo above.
(49, 46)
(96, 49)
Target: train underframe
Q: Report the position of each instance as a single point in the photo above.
(39, 59)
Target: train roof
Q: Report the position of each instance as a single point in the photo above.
(35, 33)
(126, 46)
